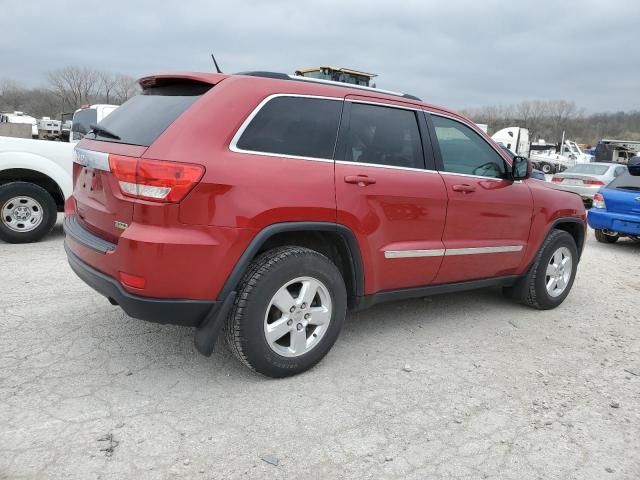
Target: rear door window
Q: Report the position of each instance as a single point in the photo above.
(464, 151)
(383, 136)
(297, 126)
(143, 118)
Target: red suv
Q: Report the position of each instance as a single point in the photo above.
(266, 205)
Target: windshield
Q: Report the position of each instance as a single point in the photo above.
(588, 169)
(626, 181)
(82, 120)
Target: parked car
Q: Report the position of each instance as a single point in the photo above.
(35, 180)
(616, 208)
(266, 205)
(586, 179)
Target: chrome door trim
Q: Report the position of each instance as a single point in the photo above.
(413, 253)
(481, 250)
(448, 252)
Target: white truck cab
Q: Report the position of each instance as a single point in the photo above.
(86, 116)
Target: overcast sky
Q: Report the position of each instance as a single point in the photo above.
(452, 53)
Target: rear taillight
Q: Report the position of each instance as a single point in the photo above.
(154, 180)
(598, 201)
(592, 182)
(556, 179)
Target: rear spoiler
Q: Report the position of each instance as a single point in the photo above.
(169, 78)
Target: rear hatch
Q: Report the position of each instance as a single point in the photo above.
(583, 175)
(623, 195)
(109, 163)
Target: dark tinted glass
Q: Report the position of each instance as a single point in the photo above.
(140, 120)
(625, 181)
(82, 120)
(305, 127)
(384, 136)
(464, 151)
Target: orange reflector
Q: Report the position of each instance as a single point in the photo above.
(132, 280)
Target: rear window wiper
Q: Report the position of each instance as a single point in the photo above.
(103, 131)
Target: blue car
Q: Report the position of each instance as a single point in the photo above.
(616, 208)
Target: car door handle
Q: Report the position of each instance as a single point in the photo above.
(360, 180)
(464, 188)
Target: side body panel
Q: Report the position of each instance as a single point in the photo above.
(398, 220)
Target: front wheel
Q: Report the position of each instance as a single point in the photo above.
(603, 237)
(28, 212)
(551, 276)
(288, 312)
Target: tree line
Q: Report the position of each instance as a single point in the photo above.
(66, 89)
(548, 119)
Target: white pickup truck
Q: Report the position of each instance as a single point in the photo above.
(36, 179)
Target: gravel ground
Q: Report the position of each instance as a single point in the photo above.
(455, 386)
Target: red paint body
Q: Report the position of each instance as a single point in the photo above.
(187, 250)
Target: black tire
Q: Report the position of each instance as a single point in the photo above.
(604, 238)
(531, 289)
(546, 168)
(11, 190)
(245, 328)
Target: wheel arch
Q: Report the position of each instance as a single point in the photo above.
(332, 240)
(574, 227)
(37, 178)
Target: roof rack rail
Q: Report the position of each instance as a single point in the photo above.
(298, 78)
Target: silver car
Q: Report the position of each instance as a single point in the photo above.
(586, 179)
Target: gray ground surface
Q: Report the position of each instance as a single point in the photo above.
(495, 390)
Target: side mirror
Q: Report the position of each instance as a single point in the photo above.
(634, 168)
(520, 168)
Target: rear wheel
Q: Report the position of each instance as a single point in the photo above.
(551, 276)
(28, 212)
(546, 168)
(608, 237)
(288, 312)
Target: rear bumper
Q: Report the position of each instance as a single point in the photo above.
(587, 193)
(602, 219)
(168, 311)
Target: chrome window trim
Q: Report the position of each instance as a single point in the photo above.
(382, 104)
(233, 145)
(91, 159)
(449, 252)
(392, 167)
(494, 179)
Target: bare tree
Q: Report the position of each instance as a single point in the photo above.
(124, 88)
(531, 114)
(74, 85)
(108, 83)
(12, 97)
(560, 112)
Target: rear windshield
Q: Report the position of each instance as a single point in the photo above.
(626, 181)
(143, 118)
(588, 169)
